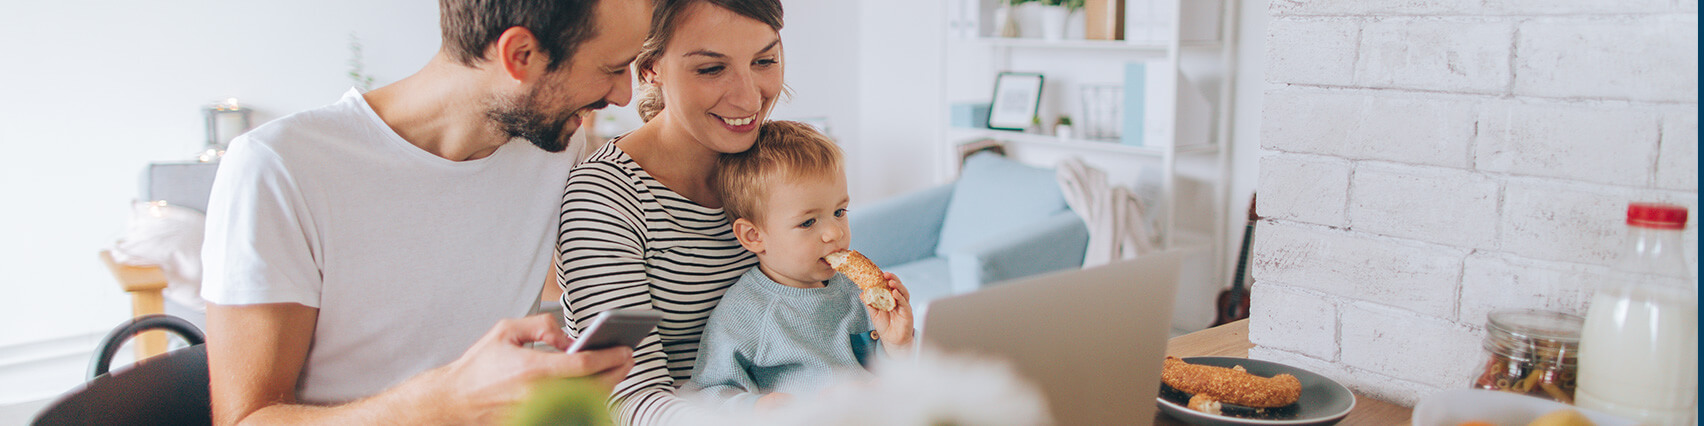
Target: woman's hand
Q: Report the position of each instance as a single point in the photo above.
(894, 328)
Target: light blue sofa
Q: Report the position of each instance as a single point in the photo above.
(1001, 220)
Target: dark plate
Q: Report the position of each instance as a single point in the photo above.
(1323, 401)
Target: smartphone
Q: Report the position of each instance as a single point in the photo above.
(617, 328)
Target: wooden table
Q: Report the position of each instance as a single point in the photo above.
(1232, 340)
(146, 285)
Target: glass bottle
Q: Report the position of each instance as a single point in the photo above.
(1639, 348)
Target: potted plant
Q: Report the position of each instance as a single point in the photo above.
(1053, 13)
(1062, 127)
(1057, 17)
(1075, 22)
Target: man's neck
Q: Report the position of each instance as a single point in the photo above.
(440, 109)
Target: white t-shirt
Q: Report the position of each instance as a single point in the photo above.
(409, 257)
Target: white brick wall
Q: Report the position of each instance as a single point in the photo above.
(1432, 204)
(1564, 7)
(1648, 58)
(1494, 281)
(1434, 161)
(1292, 316)
(1312, 51)
(1365, 7)
(1419, 348)
(1608, 144)
(1413, 276)
(1316, 189)
(1429, 54)
(1677, 164)
(1364, 124)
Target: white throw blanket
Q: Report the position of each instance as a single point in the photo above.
(1117, 220)
(169, 237)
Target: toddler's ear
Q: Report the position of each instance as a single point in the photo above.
(749, 235)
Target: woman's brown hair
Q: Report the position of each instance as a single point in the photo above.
(664, 21)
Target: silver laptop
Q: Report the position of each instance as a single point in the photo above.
(1092, 340)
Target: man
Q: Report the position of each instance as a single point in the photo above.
(354, 250)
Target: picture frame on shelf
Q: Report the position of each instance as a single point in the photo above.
(1017, 99)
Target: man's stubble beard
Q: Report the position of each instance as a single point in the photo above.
(523, 117)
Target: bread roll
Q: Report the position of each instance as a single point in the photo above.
(864, 273)
(1228, 385)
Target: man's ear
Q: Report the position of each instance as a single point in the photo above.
(519, 55)
(749, 235)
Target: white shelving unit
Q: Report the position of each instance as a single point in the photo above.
(1189, 148)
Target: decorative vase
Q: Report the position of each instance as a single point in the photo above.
(1076, 25)
(1028, 17)
(1053, 22)
(1005, 25)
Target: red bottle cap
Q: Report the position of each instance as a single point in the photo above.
(1658, 216)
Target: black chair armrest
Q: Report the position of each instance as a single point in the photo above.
(109, 346)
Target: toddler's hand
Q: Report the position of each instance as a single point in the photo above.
(894, 328)
(772, 401)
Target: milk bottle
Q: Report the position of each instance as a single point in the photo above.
(1639, 347)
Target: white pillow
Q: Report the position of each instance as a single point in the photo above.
(167, 236)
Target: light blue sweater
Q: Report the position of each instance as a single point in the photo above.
(767, 337)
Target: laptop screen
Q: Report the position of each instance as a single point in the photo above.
(1092, 340)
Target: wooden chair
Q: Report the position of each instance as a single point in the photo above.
(145, 284)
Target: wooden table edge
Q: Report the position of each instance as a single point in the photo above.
(1232, 340)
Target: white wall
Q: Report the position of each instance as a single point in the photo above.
(900, 98)
(1434, 161)
(1250, 88)
(97, 89)
(94, 90)
(822, 64)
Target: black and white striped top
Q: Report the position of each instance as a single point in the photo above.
(628, 242)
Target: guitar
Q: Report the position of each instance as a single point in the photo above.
(1233, 302)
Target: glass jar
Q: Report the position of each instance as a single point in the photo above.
(1532, 353)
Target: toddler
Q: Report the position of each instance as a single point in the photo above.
(791, 325)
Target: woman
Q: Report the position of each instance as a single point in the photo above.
(641, 228)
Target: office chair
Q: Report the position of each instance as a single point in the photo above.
(170, 389)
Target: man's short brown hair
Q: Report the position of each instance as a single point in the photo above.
(470, 27)
(784, 150)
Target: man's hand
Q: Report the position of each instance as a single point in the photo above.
(499, 369)
(256, 352)
(894, 328)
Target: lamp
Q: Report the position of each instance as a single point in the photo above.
(225, 120)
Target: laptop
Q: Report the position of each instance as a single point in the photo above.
(1091, 340)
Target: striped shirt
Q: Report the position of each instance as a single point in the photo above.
(628, 242)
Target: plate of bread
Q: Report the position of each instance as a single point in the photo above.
(1241, 391)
